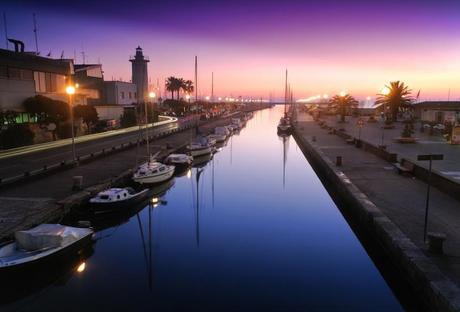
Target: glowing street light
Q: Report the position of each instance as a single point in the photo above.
(207, 98)
(368, 98)
(152, 95)
(70, 90)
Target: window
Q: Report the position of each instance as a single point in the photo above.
(129, 95)
(122, 95)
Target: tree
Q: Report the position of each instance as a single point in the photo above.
(88, 114)
(15, 136)
(395, 98)
(47, 110)
(344, 104)
(173, 84)
(8, 117)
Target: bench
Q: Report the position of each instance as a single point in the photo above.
(405, 167)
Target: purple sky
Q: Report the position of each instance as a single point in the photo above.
(328, 46)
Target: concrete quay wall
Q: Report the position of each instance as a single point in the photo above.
(423, 275)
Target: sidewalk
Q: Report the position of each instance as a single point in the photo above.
(426, 144)
(400, 198)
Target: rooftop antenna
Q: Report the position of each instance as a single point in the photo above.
(83, 54)
(36, 33)
(5, 26)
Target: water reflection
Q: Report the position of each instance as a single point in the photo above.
(229, 235)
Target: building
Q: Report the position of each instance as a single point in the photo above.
(120, 92)
(90, 79)
(24, 74)
(438, 111)
(140, 74)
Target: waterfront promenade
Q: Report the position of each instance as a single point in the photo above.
(400, 198)
(426, 143)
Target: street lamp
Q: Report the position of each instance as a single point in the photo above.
(70, 90)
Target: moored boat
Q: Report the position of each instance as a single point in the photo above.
(40, 244)
(153, 172)
(199, 147)
(116, 199)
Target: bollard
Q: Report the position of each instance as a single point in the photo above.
(338, 161)
(77, 183)
(313, 138)
(435, 242)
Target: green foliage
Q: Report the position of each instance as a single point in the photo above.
(398, 98)
(15, 136)
(408, 130)
(176, 106)
(87, 113)
(46, 109)
(128, 119)
(8, 117)
(344, 104)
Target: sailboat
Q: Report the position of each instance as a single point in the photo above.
(284, 126)
(152, 171)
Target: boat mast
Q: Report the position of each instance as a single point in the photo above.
(285, 92)
(147, 131)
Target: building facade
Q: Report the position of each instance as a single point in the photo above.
(90, 79)
(438, 111)
(24, 74)
(140, 74)
(120, 92)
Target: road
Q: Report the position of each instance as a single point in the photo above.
(17, 161)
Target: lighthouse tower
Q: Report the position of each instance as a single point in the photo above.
(139, 74)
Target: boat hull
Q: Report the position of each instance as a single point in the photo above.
(119, 205)
(153, 179)
(54, 257)
(200, 151)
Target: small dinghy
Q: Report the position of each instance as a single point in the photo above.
(40, 244)
(179, 160)
(116, 199)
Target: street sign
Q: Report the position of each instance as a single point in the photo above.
(431, 157)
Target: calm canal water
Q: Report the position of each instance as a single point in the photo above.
(257, 231)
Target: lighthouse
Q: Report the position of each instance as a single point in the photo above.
(139, 74)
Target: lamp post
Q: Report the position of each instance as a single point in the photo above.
(70, 90)
(152, 95)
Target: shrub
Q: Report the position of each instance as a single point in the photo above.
(15, 136)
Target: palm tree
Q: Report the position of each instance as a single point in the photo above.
(180, 85)
(188, 87)
(343, 103)
(395, 97)
(171, 85)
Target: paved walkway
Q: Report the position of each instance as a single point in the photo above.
(401, 198)
(426, 144)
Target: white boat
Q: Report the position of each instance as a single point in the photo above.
(116, 198)
(222, 131)
(41, 243)
(200, 147)
(153, 172)
(179, 160)
(211, 141)
(237, 122)
(219, 138)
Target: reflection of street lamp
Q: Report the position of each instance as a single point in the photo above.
(70, 90)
